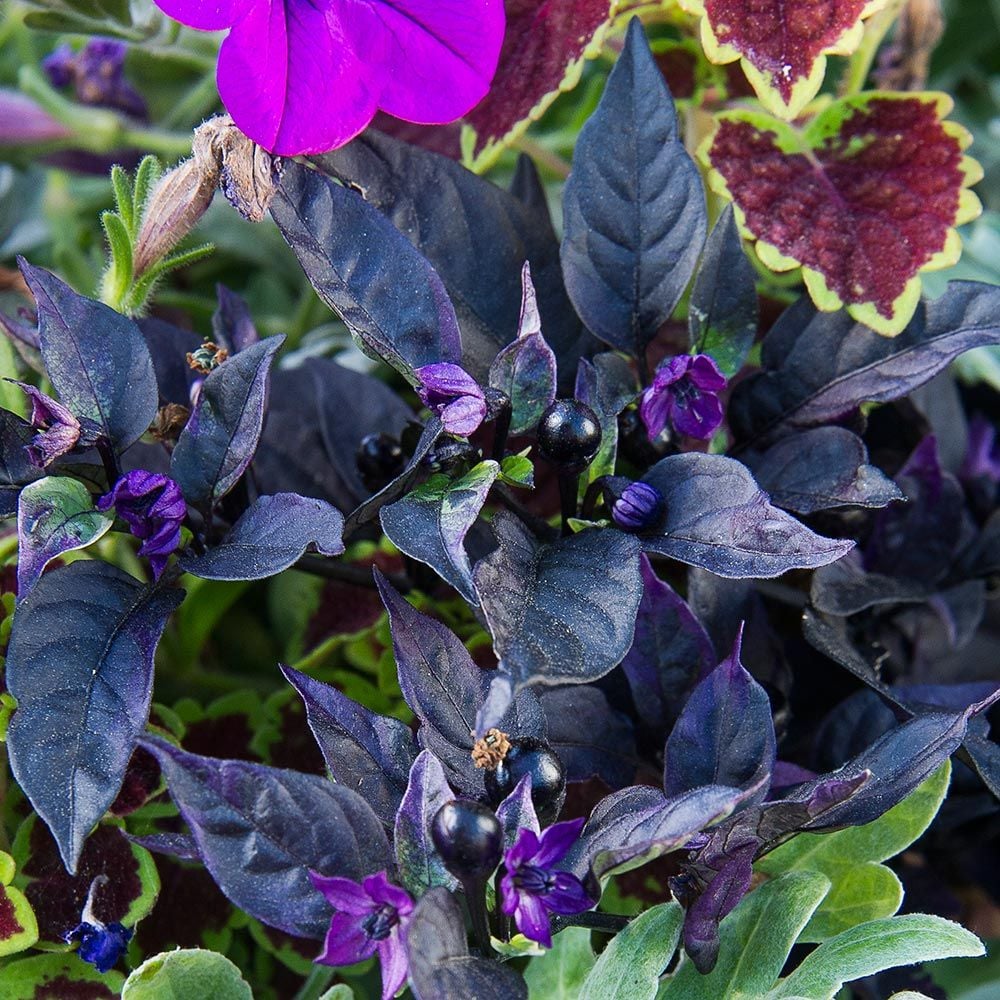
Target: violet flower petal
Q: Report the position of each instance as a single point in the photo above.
(342, 893)
(395, 964)
(532, 919)
(567, 895)
(556, 842)
(346, 941)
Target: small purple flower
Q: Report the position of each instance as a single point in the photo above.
(101, 944)
(97, 73)
(59, 430)
(532, 888)
(369, 917)
(684, 392)
(454, 395)
(153, 508)
(638, 508)
(302, 77)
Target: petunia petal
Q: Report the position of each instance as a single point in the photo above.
(532, 920)
(395, 965)
(706, 375)
(556, 842)
(346, 942)
(567, 895)
(697, 417)
(381, 890)
(206, 15)
(343, 894)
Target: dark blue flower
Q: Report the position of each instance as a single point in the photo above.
(638, 508)
(532, 887)
(100, 944)
(454, 395)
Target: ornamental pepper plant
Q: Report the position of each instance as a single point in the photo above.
(499, 499)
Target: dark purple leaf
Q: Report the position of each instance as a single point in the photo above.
(984, 755)
(822, 468)
(431, 523)
(718, 518)
(363, 268)
(367, 752)
(517, 812)
(271, 535)
(15, 469)
(670, 651)
(95, 358)
(633, 207)
(805, 382)
(476, 235)
(724, 735)
(440, 964)
(588, 735)
(261, 830)
(232, 324)
(526, 369)
(80, 663)
(221, 435)
(560, 612)
(169, 346)
(722, 315)
(176, 845)
(607, 385)
(844, 588)
(420, 866)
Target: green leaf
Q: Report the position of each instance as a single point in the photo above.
(518, 470)
(118, 277)
(121, 184)
(339, 992)
(181, 975)
(873, 947)
(862, 892)
(755, 941)
(42, 977)
(559, 974)
(630, 967)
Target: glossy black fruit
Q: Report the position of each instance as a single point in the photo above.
(379, 459)
(528, 755)
(569, 435)
(469, 838)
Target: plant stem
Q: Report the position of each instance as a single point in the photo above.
(543, 156)
(876, 28)
(316, 982)
(568, 486)
(331, 569)
(475, 899)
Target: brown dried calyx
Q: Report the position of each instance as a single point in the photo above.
(491, 749)
(169, 422)
(207, 358)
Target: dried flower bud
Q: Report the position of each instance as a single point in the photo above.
(169, 421)
(206, 358)
(489, 751)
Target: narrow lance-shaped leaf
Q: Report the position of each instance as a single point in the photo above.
(95, 358)
(723, 313)
(261, 830)
(54, 515)
(867, 196)
(271, 536)
(363, 268)
(431, 523)
(634, 208)
(221, 435)
(80, 663)
(718, 518)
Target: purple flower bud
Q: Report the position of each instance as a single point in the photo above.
(153, 508)
(685, 394)
(982, 456)
(454, 395)
(23, 122)
(638, 508)
(59, 429)
(370, 917)
(97, 73)
(532, 887)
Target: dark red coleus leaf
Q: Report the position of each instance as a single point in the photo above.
(863, 198)
(783, 44)
(543, 52)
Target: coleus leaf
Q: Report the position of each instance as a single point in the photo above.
(366, 271)
(18, 926)
(526, 369)
(367, 752)
(54, 515)
(724, 735)
(431, 523)
(633, 207)
(723, 313)
(36, 978)
(545, 47)
(420, 866)
(669, 652)
(819, 469)
(15, 468)
(476, 235)
(804, 383)
(718, 518)
(95, 358)
(563, 611)
(865, 197)
(272, 534)
(221, 435)
(782, 44)
(261, 830)
(440, 964)
(80, 663)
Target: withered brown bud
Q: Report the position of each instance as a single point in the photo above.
(491, 749)
(207, 358)
(169, 422)
(905, 64)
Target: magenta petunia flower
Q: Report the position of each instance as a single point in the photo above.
(306, 76)
(684, 394)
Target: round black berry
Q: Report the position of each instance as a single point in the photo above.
(379, 459)
(569, 434)
(469, 838)
(528, 755)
